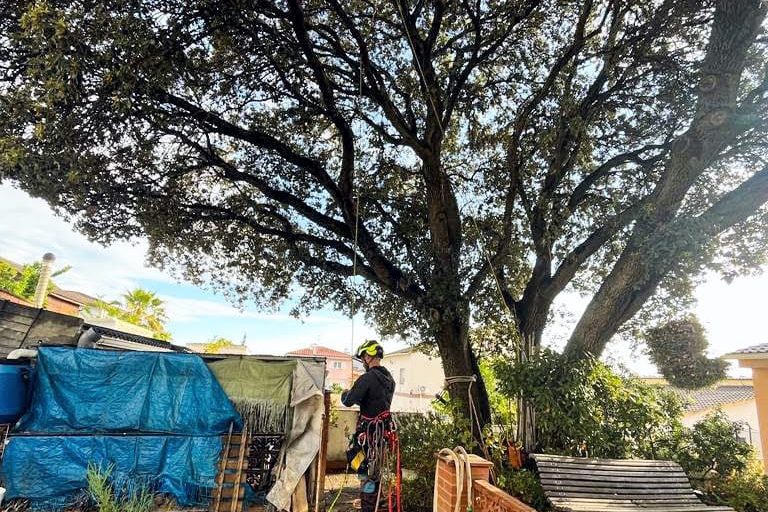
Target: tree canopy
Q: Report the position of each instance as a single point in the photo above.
(428, 162)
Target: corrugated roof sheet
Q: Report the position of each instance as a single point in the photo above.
(711, 398)
(135, 338)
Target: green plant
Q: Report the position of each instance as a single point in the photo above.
(746, 491)
(217, 344)
(131, 498)
(711, 448)
(421, 438)
(23, 283)
(523, 484)
(678, 348)
(584, 406)
(143, 308)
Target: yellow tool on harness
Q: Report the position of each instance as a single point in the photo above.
(357, 460)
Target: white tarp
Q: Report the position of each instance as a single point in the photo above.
(303, 441)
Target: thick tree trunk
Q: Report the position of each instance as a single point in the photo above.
(652, 249)
(460, 361)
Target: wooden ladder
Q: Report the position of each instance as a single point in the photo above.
(230, 484)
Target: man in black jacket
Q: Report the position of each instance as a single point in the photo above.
(373, 392)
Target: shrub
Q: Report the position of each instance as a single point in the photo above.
(712, 446)
(746, 491)
(584, 404)
(421, 437)
(524, 485)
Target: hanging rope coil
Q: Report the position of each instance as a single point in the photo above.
(463, 467)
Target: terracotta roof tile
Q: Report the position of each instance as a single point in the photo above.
(711, 398)
(78, 297)
(318, 351)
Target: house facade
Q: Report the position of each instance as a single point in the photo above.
(418, 378)
(756, 358)
(340, 369)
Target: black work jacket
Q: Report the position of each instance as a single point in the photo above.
(372, 391)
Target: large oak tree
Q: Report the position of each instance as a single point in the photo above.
(463, 158)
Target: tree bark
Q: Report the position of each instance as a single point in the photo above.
(652, 249)
(459, 361)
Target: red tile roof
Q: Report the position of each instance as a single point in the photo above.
(4, 295)
(73, 296)
(318, 351)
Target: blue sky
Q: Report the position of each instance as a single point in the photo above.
(733, 314)
(28, 229)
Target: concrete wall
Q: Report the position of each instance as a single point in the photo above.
(418, 377)
(342, 426)
(759, 364)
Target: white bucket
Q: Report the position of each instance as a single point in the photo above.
(2, 493)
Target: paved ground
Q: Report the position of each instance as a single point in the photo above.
(350, 491)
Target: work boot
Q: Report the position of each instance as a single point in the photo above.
(368, 502)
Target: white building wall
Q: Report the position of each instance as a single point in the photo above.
(418, 377)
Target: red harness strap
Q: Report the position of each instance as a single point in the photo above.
(394, 500)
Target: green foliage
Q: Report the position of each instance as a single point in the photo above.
(584, 404)
(139, 307)
(678, 348)
(502, 406)
(746, 491)
(24, 283)
(336, 388)
(240, 140)
(421, 438)
(109, 499)
(711, 446)
(217, 344)
(524, 485)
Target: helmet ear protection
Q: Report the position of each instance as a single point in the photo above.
(371, 348)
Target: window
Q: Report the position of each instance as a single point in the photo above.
(402, 375)
(338, 365)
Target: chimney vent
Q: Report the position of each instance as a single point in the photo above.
(41, 292)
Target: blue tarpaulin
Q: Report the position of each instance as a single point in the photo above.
(102, 391)
(51, 470)
(153, 418)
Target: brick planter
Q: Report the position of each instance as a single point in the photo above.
(446, 481)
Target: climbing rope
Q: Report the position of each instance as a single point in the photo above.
(379, 440)
(474, 418)
(463, 472)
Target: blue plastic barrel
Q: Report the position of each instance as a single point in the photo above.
(13, 391)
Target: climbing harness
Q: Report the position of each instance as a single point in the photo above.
(463, 467)
(374, 442)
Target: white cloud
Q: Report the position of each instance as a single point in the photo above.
(183, 309)
(29, 228)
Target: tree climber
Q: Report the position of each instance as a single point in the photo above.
(373, 392)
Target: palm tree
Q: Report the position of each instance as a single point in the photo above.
(140, 307)
(145, 308)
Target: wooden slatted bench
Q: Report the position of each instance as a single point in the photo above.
(611, 485)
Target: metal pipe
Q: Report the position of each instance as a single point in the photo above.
(21, 352)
